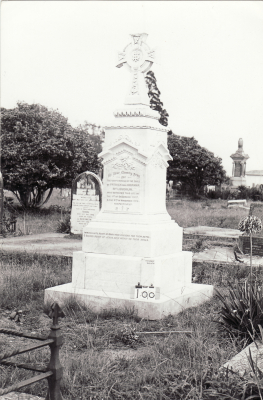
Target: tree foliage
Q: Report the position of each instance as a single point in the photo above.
(41, 151)
(192, 164)
(154, 94)
(95, 133)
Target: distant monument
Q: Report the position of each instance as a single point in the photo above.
(132, 251)
(239, 166)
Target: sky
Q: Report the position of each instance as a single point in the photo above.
(209, 64)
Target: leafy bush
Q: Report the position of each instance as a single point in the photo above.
(242, 311)
(243, 192)
(256, 194)
(63, 225)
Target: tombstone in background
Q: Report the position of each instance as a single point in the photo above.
(239, 363)
(86, 200)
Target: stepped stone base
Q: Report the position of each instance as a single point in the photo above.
(114, 273)
(171, 303)
(238, 181)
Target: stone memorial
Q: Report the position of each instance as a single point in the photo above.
(133, 243)
(240, 362)
(86, 200)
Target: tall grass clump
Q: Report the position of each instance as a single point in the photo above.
(63, 225)
(242, 311)
(25, 275)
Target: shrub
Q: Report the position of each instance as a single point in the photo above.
(63, 225)
(242, 311)
(256, 194)
(219, 194)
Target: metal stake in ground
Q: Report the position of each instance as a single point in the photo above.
(54, 365)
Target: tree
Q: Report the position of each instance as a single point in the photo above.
(154, 94)
(192, 164)
(96, 134)
(41, 151)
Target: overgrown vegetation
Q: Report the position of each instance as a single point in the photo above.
(41, 220)
(242, 311)
(186, 213)
(114, 354)
(242, 192)
(24, 276)
(205, 213)
(107, 355)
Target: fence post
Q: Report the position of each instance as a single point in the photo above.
(54, 365)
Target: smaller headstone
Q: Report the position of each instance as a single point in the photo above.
(86, 200)
(240, 362)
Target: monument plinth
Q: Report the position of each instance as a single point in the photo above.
(133, 239)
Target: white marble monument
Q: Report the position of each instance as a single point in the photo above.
(133, 242)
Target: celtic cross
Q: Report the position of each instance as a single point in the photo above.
(138, 57)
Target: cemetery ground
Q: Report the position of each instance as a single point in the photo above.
(186, 213)
(114, 354)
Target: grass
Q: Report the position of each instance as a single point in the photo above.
(185, 212)
(205, 213)
(25, 275)
(99, 359)
(103, 355)
(43, 220)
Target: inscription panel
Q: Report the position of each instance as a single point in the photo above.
(123, 190)
(86, 200)
(84, 209)
(105, 241)
(237, 169)
(118, 236)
